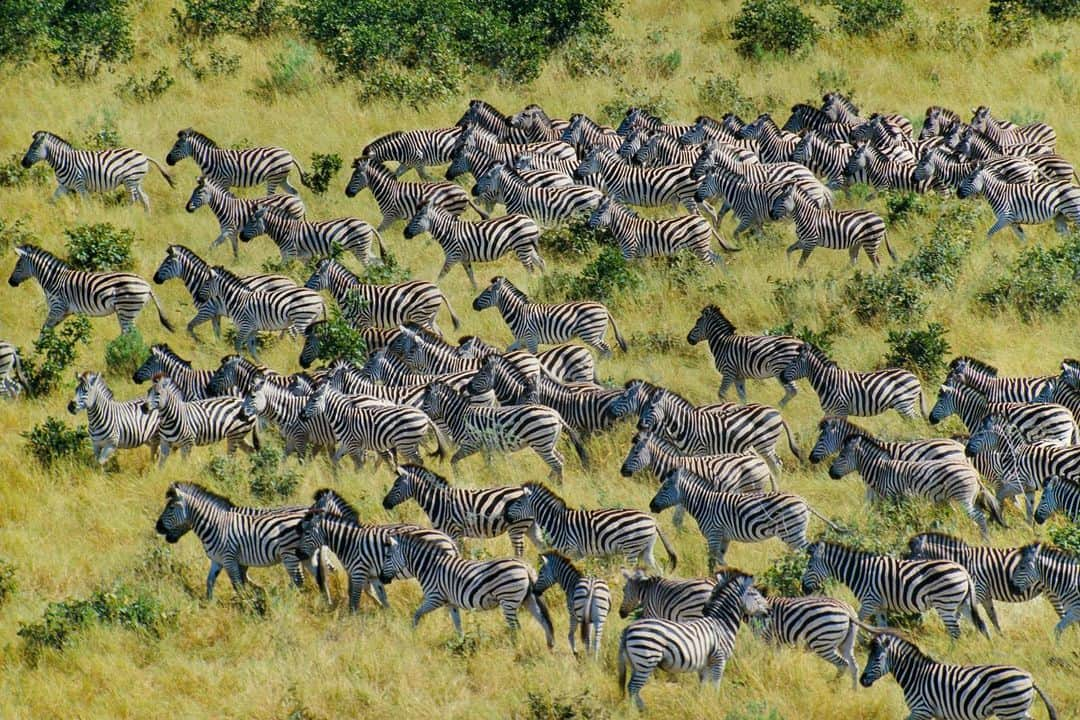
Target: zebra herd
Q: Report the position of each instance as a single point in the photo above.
(419, 395)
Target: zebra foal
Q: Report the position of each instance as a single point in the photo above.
(588, 599)
(113, 425)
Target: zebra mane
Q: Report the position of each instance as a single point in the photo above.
(731, 575)
(201, 492)
(93, 379)
(1071, 362)
(486, 107)
(541, 488)
(869, 439)
(53, 136)
(618, 207)
(820, 354)
(510, 288)
(851, 550)
(380, 141)
(428, 476)
(343, 509)
(1057, 554)
(842, 99)
(334, 267)
(909, 645)
(164, 349)
(850, 427)
(36, 252)
(228, 275)
(975, 364)
(192, 132)
(556, 555)
(719, 317)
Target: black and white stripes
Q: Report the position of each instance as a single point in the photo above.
(236, 168)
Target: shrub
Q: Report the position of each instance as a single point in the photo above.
(773, 27)
(13, 174)
(834, 80)
(574, 238)
(266, 480)
(14, 233)
(209, 18)
(922, 352)
(890, 295)
(1067, 537)
(666, 64)
(53, 440)
(226, 472)
(99, 247)
(754, 711)
(822, 339)
(937, 261)
(291, 71)
(8, 583)
(387, 272)
(1010, 22)
(323, 170)
(24, 29)
(602, 279)
(217, 64)
(784, 576)
(124, 354)
(104, 135)
(415, 88)
(86, 35)
(339, 339)
(860, 18)
(54, 351)
(141, 89)
(1048, 60)
(1041, 281)
(719, 94)
(614, 110)
(902, 206)
(1053, 9)
(592, 55)
(544, 706)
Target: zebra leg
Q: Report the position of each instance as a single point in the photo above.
(533, 604)
(601, 346)
(952, 621)
(1071, 616)
(430, 603)
(517, 539)
(163, 453)
(726, 382)
(573, 632)
(717, 551)
(805, 254)
(847, 652)
(789, 392)
(104, 453)
(211, 578)
(357, 582)
(469, 271)
(717, 670)
(740, 389)
(1002, 221)
(424, 174)
(292, 566)
(991, 612)
(61, 191)
(638, 678)
(386, 222)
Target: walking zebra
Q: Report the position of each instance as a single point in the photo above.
(400, 201)
(461, 512)
(889, 139)
(727, 472)
(590, 533)
(237, 168)
(534, 323)
(1059, 495)
(951, 692)
(751, 203)
(414, 149)
(640, 118)
(939, 481)
(646, 237)
(850, 230)
(869, 165)
(664, 598)
(567, 363)
(12, 379)
(990, 568)
(964, 370)
(826, 158)
(1035, 421)
(545, 205)
(192, 384)
(883, 584)
(936, 162)
(702, 645)
(588, 599)
(759, 173)
(809, 118)
(475, 142)
(69, 291)
(304, 239)
(87, 171)
(738, 357)
(1036, 132)
(971, 144)
(583, 133)
(1060, 392)
(232, 212)
(849, 392)
(485, 241)
(113, 425)
(284, 409)
(1027, 204)
(649, 187)
(937, 121)
(835, 431)
(1057, 572)
(466, 584)
(840, 108)
(774, 144)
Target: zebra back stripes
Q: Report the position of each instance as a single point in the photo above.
(193, 384)
(645, 237)
(1035, 420)
(826, 626)
(233, 213)
(546, 205)
(588, 599)
(413, 149)
(649, 187)
(725, 472)
(400, 201)
(12, 378)
(246, 167)
(664, 598)
(964, 370)
(304, 239)
(835, 431)
(1024, 204)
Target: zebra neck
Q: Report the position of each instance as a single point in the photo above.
(340, 282)
(174, 416)
(511, 305)
(551, 515)
(568, 577)
(102, 412)
(434, 501)
(53, 274)
(194, 273)
(907, 667)
(444, 228)
(282, 406)
(209, 523)
(340, 537)
(206, 156)
(383, 186)
(823, 376)
(661, 460)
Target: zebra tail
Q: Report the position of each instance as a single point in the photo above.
(440, 443)
(667, 546)
(826, 520)
(379, 242)
(21, 376)
(453, 318)
(483, 215)
(990, 504)
(976, 618)
(1050, 709)
(720, 241)
(888, 247)
(791, 442)
(618, 335)
(922, 405)
(587, 617)
(622, 664)
(579, 446)
(305, 179)
(167, 176)
(549, 626)
(161, 313)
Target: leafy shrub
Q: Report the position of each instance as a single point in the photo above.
(1010, 22)
(602, 279)
(574, 239)
(99, 247)
(291, 71)
(209, 18)
(1048, 60)
(415, 88)
(835, 80)
(13, 174)
(922, 352)
(1040, 281)
(14, 233)
(24, 29)
(54, 351)
(719, 94)
(754, 711)
(86, 35)
(323, 170)
(217, 64)
(868, 17)
(267, 480)
(8, 583)
(902, 206)
(937, 261)
(339, 339)
(665, 65)
(822, 339)
(141, 89)
(544, 706)
(1066, 537)
(773, 27)
(102, 135)
(226, 472)
(53, 440)
(1053, 9)
(387, 272)
(784, 576)
(891, 295)
(124, 354)
(614, 110)
(956, 33)
(593, 55)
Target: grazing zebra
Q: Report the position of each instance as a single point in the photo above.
(232, 212)
(936, 162)
(869, 165)
(485, 115)
(462, 584)
(1059, 495)
(69, 291)
(1027, 204)
(192, 384)
(485, 241)
(702, 645)
(1057, 572)
(1035, 420)
(12, 379)
(990, 568)
(1036, 132)
(588, 599)
(304, 239)
(646, 237)
(461, 512)
(951, 692)
(848, 392)
(185, 424)
(113, 425)
(840, 108)
(534, 323)
(751, 203)
(850, 230)
(590, 533)
(650, 187)
(738, 357)
(503, 429)
(400, 201)
(835, 431)
(774, 144)
(414, 149)
(882, 583)
(237, 168)
(726, 472)
(583, 133)
(87, 171)
(938, 481)
(664, 598)
(545, 205)
(381, 305)
(281, 407)
(964, 370)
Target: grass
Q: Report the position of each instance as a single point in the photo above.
(69, 531)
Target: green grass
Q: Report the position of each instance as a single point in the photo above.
(70, 531)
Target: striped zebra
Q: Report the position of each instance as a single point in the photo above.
(400, 201)
(935, 162)
(1070, 372)
(717, 152)
(193, 384)
(841, 109)
(474, 142)
(97, 294)
(549, 323)
(850, 230)
(1035, 420)
(825, 158)
(283, 409)
(600, 532)
(413, 149)
(964, 370)
(751, 203)
(664, 598)
(738, 357)
(87, 171)
(236, 373)
(990, 568)
(657, 150)
(12, 379)
(940, 481)
(525, 165)
(724, 132)
(380, 305)
(640, 118)
(1036, 132)
(583, 133)
(351, 380)
(849, 392)
(485, 241)
(882, 584)
(567, 363)
(537, 125)
(487, 116)
(726, 472)
(465, 584)
(232, 213)
(951, 692)
(937, 121)
(647, 237)
(545, 205)
(971, 144)
(247, 167)
(185, 424)
(1057, 572)
(303, 239)
(869, 165)
(1023, 204)
(773, 144)
(1061, 392)
(461, 512)
(809, 118)
(888, 139)
(112, 425)
(764, 173)
(1059, 495)
(360, 549)
(502, 429)
(588, 598)
(647, 187)
(420, 354)
(702, 645)
(835, 431)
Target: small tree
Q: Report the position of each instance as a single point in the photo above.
(100, 247)
(773, 26)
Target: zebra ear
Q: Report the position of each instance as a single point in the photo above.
(626, 574)
(20, 250)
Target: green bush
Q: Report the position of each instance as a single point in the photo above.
(104, 135)
(24, 29)
(54, 352)
(601, 280)
(53, 440)
(1042, 281)
(339, 339)
(773, 27)
(210, 18)
(226, 472)
(267, 481)
(1048, 60)
(1053, 9)
(1010, 22)
(14, 233)
(544, 706)
(665, 65)
(784, 576)
(614, 110)
(387, 272)
(323, 170)
(835, 80)
(860, 18)
(891, 295)
(415, 88)
(8, 583)
(13, 174)
(922, 352)
(142, 89)
(902, 206)
(822, 340)
(593, 55)
(125, 354)
(100, 247)
(217, 63)
(1066, 537)
(87, 35)
(937, 260)
(719, 94)
(574, 238)
(291, 71)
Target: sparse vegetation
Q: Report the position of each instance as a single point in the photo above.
(54, 352)
(125, 354)
(100, 247)
(924, 352)
(53, 440)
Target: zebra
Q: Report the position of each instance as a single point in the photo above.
(840, 108)
(850, 230)
(303, 239)
(192, 384)
(826, 158)
(360, 549)
(537, 125)
(545, 205)
(717, 152)
(882, 583)
(974, 145)
(86, 171)
(185, 424)
(764, 173)
(809, 118)
(349, 379)
(506, 429)
(485, 241)
(588, 598)
(381, 305)
(567, 363)
(657, 150)
(12, 378)
(869, 165)
(888, 139)
(649, 187)
(1027, 204)
(1036, 132)
(503, 127)
(554, 155)
(936, 162)
(414, 149)
(283, 408)
(590, 533)
(848, 392)
(236, 373)
(664, 598)
(990, 568)
(461, 512)
(701, 645)
(1057, 572)
(645, 237)
(1035, 421)
(1061, 392)
(751, 203)
(534, 323)
(232, 212)
(774, 144)
(964, 370)
(939, 481)
(69, 291)
(951, 692)
(1059, 495)
(400, 201)
(583, 133)
(464, 584)
(724, 132)
(112, 425)
(834, 431)
(525, 165)
(247, 167)
(938, 120)
(725, 472)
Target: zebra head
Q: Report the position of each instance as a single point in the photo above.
(801, 153)
(1070, 372)
(176, 518)
(313, 336)
(312, 534)
(856, 164)
(547, 576)
(226, 377)
(985, 439)
(256, 400)
(320, 276)
(1048, 503)
(89, 388)
(255, 225)
(640, 147)
(735, 592)
(635, 394)
(483, 381)
(833, 432)
(849, 459)
(404, 486)
(433, 403)
(973, 184)
(171, 267)
(181, 148)
(573, 132)
(161, 392)
(640, 455)
(394, 564)
(753, 129)
(945, 405)
(634, 116)
(654, 411)
(706, 160)
(931, 123)
(602, 214)
(1027, 571)
(799, 367)
(877, 665)
(980, 118)
(199, 196)
(421, 221)
(817, 571)
(301, 384)
(695, 135)
(24, 265)
(316, 403)
(590, 165)
(359, 178)
(633, 591)
(490, 184)
(38, 150)
(521, 508)
(464, 143)
(919, 548)
(784, 204)
(490, 296)
(671, 492)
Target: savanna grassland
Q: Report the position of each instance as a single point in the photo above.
(71, 530)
